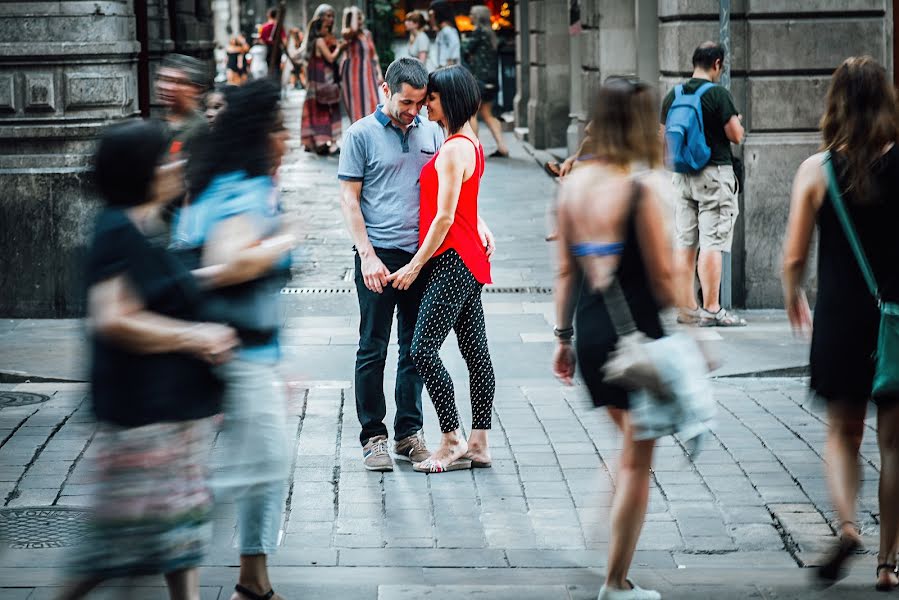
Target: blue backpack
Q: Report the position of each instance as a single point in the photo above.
(688, 151)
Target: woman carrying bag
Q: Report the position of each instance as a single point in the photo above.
(849, 190)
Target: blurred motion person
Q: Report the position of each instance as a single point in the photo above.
(153, 389)
(321, 125)
(180, 82)
(860, 128)
(453, 259)
(612, 227)
(234, 234)
(447, 46)
(360, 71)
(237, 59)
(481, 58)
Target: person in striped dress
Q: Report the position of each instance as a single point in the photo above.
(360, 71)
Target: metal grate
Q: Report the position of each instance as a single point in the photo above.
(21, 398)
(36, 528)
(317, 290)
(526, 289)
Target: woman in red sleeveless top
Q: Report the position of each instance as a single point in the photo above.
(454, 255)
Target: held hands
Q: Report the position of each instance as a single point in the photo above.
(212, 342)
(374, 273)
(563, 363)
(404, 278)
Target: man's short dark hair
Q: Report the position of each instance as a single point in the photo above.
(272, 13)
(193, 68)
(706, 54)
(443, 12)
(406, 70)
(460, 97)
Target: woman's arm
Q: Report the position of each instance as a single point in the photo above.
(116, 313)
(450, 166)
(235, 253)
(655, 246)
(809, 188)
(326, 53)
(564, 297)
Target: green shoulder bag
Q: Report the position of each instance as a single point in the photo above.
(886, 369)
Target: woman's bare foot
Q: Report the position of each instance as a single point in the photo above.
(452, 447)
(887, 578)
(478, 454)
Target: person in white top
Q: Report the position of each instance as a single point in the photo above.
(419, 44)
(448, 46)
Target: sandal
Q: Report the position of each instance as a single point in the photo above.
(429, 465)
(498, 154)
(722, 318)
(253, 595)
(834, 569)
(478, 464)
(880, 587)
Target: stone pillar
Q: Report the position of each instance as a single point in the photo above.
(522, 62)
(783, 54)
(647, 28)
(192, 28)
(577, 108)
(67, 68)
(159, 44)
(548, 103)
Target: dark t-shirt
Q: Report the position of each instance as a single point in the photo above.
(717, 109)
(131, 389)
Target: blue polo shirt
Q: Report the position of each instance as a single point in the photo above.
(388, 162)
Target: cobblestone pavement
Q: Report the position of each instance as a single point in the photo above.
(737, 523)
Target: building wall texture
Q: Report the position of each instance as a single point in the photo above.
(782, 56)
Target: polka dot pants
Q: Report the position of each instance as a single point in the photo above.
(452, 300)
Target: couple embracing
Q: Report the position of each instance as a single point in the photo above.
(409, 198)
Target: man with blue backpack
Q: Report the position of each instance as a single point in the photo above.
(700, 122)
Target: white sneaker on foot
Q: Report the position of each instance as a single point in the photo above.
(635, 593)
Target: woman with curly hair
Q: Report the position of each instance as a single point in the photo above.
(321, 110)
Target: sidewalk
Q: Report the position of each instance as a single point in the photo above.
(739, 523)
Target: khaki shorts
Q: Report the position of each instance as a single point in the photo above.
(706, 208)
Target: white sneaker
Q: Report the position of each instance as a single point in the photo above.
(635, 593)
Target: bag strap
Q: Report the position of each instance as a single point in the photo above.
(836, 199)
(613, 296)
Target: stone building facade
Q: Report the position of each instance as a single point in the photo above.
(782, 55)
(67, 69)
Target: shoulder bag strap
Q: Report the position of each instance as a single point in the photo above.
(613, 296)
(836, 198)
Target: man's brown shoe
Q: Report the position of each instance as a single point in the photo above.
(412, 448)
(376, 455)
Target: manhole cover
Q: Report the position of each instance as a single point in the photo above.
(35, 528)
(21, 398)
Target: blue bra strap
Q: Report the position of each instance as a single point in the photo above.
(597, 249)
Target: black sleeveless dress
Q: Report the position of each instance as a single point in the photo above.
(596, 336)
(846, 316)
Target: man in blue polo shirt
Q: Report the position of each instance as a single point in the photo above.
(380, 162)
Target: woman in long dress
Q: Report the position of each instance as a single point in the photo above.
(321, 126)
(360, 71)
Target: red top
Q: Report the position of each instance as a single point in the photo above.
(463, 233)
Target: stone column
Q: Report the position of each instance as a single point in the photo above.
(522, 62)
(548, 103)
(66, 69)
(159, 44)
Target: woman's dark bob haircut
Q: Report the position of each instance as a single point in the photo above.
(126, 160)
(459, 95)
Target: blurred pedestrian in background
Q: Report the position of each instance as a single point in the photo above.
(453, 258)
(153, 390)
(611, 228)
(321, 125)
(481, 59)
(860, 128)
(419, 45)
(294, 43)
(360, 71)
(180, 83)
(257, 57)
(234, 234)
(216, 100)
(237, 59)
(447, 49)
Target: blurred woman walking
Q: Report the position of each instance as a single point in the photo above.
(153, 390)
(481, 58)
(860, 163)
(360, 71)
(321, 125)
